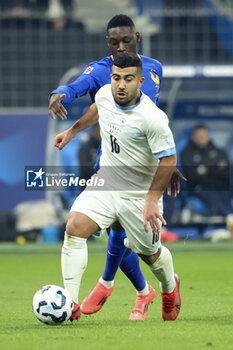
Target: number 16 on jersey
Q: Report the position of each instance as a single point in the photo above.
(115, 148)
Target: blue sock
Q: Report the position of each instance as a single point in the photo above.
(131, 268)
(115, 253)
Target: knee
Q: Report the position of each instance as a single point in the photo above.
(71, 227)
(80, 225)
(150, 259)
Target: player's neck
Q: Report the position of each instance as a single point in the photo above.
(135, 100)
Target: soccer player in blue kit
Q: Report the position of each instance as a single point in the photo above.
(121, 36)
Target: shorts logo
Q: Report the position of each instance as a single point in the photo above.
(35, 178)
(88, 70)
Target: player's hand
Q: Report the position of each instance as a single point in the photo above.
(151, 214)
(63, 138)
(56, 108)
(173, 187)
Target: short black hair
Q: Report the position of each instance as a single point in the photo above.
(120, 21)
(199, 126)
(127, 59)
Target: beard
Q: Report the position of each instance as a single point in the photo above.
(126, 100)
(122, 102)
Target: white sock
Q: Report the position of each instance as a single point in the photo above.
(164, 271)
(144, 291)
(73, 262)
(107, 284)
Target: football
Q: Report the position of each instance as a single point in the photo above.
(52, 305)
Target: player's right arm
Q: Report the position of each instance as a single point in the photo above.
(88, 119)
(68, 93)
(90, 81)
(56, 108)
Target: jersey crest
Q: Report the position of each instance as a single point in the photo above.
(155, 78)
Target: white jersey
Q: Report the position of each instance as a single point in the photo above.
(133, 140)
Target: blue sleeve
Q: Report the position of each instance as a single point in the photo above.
(83, 85)
(94, 77)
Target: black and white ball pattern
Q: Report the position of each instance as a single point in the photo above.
(52, 305)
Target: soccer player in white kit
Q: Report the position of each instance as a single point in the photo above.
(138, 159)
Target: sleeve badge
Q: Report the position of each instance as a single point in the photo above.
(88, 70)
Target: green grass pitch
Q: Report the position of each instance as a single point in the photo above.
(205, 320)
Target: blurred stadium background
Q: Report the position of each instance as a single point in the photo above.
(46, 43)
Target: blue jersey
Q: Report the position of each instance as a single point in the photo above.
(97, 74)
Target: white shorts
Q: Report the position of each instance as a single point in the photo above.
(106, 207)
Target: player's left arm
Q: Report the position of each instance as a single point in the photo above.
(89, 118)
(173, 187)
(151, 212)
(161, 143)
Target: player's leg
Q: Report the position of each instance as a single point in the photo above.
(74, 255)
(159, 258)
(129, 263)
(115, 253)
(103, 289)
(118, 254)
(162, 267)
(145, 294)
(88, 214)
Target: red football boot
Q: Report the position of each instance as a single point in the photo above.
(142, 303)
(76, 314)
(171, 302)
(96, 299)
